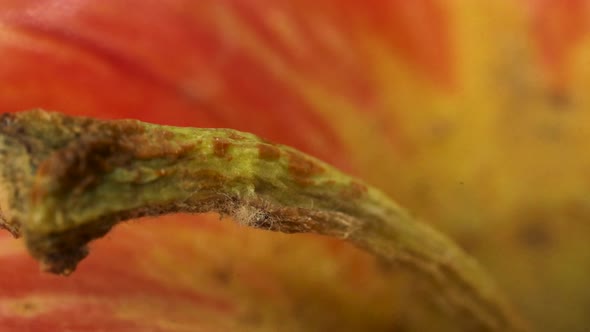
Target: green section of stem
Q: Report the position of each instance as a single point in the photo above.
(68, 180)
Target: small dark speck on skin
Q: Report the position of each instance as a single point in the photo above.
(28, 306)
(223, 275)
(535, 235)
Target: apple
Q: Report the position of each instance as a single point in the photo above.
(471, 114)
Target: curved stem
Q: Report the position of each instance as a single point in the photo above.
(67, 180)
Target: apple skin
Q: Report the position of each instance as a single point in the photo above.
(471, 114)
(180, 273)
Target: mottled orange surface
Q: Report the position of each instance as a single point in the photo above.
(472, 114)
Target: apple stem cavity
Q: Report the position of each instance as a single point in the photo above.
(65, 181)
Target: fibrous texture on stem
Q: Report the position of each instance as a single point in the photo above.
(65, 181)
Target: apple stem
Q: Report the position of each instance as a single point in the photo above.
(65, 181)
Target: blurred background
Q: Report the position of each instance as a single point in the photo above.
(472, 114)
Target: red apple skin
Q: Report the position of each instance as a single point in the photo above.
(180, 273)
(472, 114)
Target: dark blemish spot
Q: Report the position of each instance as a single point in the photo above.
(223, 275)
(157, 145)
(77, 167)
(28, 306)
(354, 191)
(301, 166)
(100, 148)
(535, 235)
(220, 146)
(268, 152)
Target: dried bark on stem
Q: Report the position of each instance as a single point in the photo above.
(65, 181)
